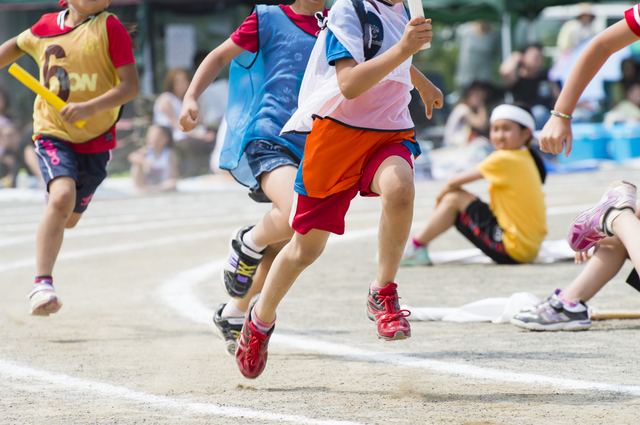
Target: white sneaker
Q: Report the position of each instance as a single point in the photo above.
(415, 255)
(43, 300)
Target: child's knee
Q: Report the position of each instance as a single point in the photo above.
(302, 256)
(62, 201)
(399, 193)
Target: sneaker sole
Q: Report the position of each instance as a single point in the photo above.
(590, 243)
(554, 327)
(49, 307)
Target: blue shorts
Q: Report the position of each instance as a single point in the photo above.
(58, 159)
(264, 156)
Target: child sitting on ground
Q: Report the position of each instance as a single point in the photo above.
(154, 167)
(612, 218)
(511, 229)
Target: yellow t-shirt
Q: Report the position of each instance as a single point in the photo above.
(77, 67)
(517, 201)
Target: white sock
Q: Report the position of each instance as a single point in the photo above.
(248, 241)
(230, 310)
(612, 215)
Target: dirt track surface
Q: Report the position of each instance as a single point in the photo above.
(139, 279)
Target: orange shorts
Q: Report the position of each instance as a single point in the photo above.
(328, 213)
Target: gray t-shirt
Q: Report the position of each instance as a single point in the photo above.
(476, 55)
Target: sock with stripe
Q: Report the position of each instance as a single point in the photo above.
(43, 279)
(262, 327)
(230, 310)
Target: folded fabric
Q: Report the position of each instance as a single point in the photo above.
(495, 310)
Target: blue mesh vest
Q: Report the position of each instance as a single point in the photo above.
(264, 89)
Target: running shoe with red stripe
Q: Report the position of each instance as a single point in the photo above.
(384, 309)
(43, 300)
(589, 227)
(251, 348)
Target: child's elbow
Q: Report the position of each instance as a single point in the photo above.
(347, 90)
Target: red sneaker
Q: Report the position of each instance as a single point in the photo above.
(251, 349)
(384, 309)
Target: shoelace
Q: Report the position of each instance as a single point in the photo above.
(246, 270)
(253, 349)
(389, 308)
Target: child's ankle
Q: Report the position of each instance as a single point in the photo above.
(417, 243)
(262, 326)
(566, 301)
(43, 279)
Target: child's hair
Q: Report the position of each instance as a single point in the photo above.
(536, 158)
(166, 131)
(131, 27)
(171, 76)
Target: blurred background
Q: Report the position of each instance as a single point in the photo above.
(484, 52)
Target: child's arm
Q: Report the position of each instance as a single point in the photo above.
(138, 156)
(9, 52)
(430, 94)
(558, 130)
(355, 79)
(125, 91)
(457, 181)
(206, 73)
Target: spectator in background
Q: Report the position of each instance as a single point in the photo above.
(629, 77)
(16, 153)
(479, 47)
(196, 145)
(4, 108)
(469, 118)
(627, 110)
(527, 80)
(576, 30)
(154, 167)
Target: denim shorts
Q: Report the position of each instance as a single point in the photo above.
(264, 156)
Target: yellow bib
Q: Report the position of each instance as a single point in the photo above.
(77, 67)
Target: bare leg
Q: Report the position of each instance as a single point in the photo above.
(296, 256)
(274, 225)
(601, 268)
(260, 276)
(62, 200)
(31, 158)
(627, 227)
(445, 215)
(393, 181)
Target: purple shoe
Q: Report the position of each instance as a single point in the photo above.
(589, 228)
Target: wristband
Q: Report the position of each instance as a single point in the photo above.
(561, 115)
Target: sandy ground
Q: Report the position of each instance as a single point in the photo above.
(139, 278)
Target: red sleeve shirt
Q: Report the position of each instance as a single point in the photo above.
(119, 40)
(632, 16)
(246, 36)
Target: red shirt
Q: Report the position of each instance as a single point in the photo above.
(121, 54)
(247, 35)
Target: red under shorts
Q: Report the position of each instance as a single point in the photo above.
(328, 213)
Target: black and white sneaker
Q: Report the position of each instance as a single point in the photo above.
(553, 315)
(227, 329)
(241, 266)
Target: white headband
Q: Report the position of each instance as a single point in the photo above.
(513, 113)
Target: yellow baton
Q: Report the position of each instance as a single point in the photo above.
(27, 79)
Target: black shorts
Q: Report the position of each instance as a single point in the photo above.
(58, 159)
(478, 224)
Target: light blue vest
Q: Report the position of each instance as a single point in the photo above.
(263, 90)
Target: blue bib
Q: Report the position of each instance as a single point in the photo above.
(264, 88)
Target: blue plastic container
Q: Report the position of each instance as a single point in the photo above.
(625, 142)
(590, 141)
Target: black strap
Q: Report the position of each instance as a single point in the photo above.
(366, 27)
(539, 165)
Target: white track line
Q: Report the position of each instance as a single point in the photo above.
(58, 382)
(179, 294)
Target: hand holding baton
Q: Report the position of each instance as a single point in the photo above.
(27, 79)
(416, 9)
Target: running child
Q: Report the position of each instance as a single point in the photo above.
(354, 102)
(85, 57)
(611, 225)
(511, 229)
(268, 55)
